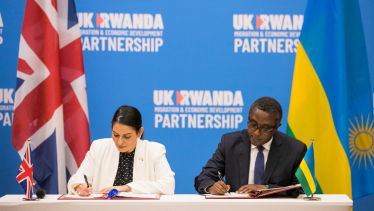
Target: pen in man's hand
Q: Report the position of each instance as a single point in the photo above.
(85, 178)
(221, 179)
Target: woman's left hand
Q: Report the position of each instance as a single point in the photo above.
(123, 188)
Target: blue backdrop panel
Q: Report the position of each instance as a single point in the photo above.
(192, 68)
(197, 55)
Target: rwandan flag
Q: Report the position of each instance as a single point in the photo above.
(331, 99)
(305, 172)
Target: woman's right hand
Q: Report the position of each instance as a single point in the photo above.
(82, 190)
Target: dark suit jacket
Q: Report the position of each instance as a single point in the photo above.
(232, 159)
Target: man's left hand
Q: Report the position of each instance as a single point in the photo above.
(250, 188)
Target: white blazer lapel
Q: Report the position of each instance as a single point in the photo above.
(113, 166)
(139, 172)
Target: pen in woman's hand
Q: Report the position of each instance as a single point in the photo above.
(85, 178)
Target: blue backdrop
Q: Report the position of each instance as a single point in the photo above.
(192, 68)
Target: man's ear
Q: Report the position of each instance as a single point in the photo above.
(279, 125)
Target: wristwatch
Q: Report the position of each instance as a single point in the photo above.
(205, 190)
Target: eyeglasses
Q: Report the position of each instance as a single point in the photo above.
(263, 130)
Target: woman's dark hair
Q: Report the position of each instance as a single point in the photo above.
(128, 115)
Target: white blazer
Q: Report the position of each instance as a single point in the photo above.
(151, 174)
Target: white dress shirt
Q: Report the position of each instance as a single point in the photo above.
(254, 151)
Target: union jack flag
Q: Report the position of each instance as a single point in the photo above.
(24, 175)
(50, 101)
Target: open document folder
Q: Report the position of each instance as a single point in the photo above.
(257, 194)
(121, 195)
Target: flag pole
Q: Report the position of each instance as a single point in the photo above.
(311, 197)
(27, 162)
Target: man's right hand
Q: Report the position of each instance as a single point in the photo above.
(219, 188)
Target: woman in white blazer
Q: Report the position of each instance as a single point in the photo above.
(124, 162)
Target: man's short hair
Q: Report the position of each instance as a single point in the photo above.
(269, 105)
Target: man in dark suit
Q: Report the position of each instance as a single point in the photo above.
(257, 158)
